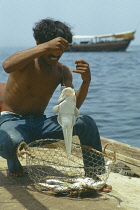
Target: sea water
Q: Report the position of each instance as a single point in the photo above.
(114, 94)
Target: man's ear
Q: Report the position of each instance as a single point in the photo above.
(37, 42)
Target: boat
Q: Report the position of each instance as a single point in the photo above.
(110, 42)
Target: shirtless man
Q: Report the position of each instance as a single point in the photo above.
(34, 74)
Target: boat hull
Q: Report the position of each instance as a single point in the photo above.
(120, 45)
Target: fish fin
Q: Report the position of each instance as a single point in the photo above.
(55, 109)
(59, 120)
(77, 113)
(74, 98)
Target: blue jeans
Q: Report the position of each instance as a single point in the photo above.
(15, 128)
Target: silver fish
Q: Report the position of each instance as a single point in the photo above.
(54, 182)
(55, 185)
(80, 184)
(85, 182)
(67, 114)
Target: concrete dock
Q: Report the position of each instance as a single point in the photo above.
(18, 193)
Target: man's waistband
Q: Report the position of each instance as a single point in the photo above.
(29, 116)
(6, 112)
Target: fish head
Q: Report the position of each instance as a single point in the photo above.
(68, 91)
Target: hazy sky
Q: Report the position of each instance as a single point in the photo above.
(86, 17)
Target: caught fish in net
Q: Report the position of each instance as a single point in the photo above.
(52, 171)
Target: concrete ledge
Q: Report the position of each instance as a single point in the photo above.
(125, 153)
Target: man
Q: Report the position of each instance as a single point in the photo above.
(34, 74)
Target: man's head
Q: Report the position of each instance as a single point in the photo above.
(48, 29)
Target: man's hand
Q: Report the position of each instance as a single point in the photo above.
(57, 45)
(82, 68)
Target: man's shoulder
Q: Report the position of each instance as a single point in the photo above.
(63, 67)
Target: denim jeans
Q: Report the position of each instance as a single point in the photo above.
(15, 128)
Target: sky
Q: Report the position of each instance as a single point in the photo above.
(86, 17)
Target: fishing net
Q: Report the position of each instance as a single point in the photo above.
(51, 170)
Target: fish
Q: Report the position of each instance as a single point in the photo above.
(55, 185)
(67, 115)
(85, 183)
(54, 182)
(78, 184)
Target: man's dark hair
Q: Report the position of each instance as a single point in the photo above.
(48, 29)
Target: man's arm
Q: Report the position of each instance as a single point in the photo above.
(20, 60)
(81, 94)
(82, 68)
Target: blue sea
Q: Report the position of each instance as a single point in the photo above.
(114, 94)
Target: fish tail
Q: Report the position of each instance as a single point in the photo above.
(67, 131)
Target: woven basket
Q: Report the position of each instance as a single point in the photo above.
(51, 170)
